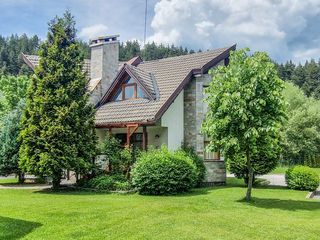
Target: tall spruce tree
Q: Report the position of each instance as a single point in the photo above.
(58, 123)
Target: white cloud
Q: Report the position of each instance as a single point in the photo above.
(301, 56)
(98, 30)
(273, 26)
(165, 38)
(204, 27)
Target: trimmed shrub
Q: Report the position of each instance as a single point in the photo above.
(107, 182)
(198, 161)
(302, 178)
(163, 172)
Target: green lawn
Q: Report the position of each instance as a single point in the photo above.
(284, 169)
(205, 213)
(9, 181)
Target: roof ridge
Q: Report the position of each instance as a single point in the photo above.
(188, 55)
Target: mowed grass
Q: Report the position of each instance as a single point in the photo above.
(204, 213)
(9, 181)
(282, 170)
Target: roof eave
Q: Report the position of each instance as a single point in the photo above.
(27, 61)
(192, 73)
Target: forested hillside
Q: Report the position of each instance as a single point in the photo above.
(11, 61)
(152, 51)
(304, 76)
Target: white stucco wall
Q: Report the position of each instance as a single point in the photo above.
(173, 120)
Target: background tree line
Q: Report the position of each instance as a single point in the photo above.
(304, 76)
(11, 61)
(151, 51)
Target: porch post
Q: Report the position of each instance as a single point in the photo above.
(128, 137)
(144, 138)
(129, 134)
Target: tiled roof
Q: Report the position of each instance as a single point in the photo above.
(33, 61)
(171, 75)
(144, 78)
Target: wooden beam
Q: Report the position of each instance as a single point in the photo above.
(144, 138)
(129, 134)
(122, 125)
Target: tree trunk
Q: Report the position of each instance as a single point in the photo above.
(21, 177)
(56, 179)
(248, 196)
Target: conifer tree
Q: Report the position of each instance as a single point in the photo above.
(58, 123)
(9, 145)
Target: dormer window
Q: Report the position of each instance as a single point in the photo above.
(129, 90)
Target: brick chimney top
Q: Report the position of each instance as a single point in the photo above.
(104, 39)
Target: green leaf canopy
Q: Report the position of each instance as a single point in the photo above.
(246, 108)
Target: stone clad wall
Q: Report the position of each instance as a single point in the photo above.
(104, 67)
(215, 173)
(194, 112)
(194, 116)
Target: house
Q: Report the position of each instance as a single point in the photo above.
(153, 102)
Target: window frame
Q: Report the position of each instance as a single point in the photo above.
(123, 91)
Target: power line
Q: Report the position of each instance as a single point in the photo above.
(145, 30)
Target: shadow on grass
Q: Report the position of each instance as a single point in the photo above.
(69, 191)
(15, 228)
(289, 205)
(232, 182)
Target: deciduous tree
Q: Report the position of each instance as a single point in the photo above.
(246, 109)
(301, 132)
(12, 90)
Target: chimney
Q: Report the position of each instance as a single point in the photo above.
(104, 65)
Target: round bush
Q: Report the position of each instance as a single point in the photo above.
(302, 178)
(162, 172)
(199, 163)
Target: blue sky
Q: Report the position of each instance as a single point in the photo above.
(285, 29)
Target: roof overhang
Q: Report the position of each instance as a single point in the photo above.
(192, 73)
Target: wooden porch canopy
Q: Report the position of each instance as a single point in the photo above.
(131, 128)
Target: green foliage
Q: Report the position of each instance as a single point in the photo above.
(58, 123)
(12, 89)
(302, 178)
(260, 164)
(301, 131)
(151, 51)
(305, 76)
(163, 172)
(9, 145)
(107, 182)
(246, 109)
(198, 162)
(120, 160)
(312, 161)
(11, 61)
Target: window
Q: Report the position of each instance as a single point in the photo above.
(129, 90)
(210, 155)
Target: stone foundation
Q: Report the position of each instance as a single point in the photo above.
(215, 173)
